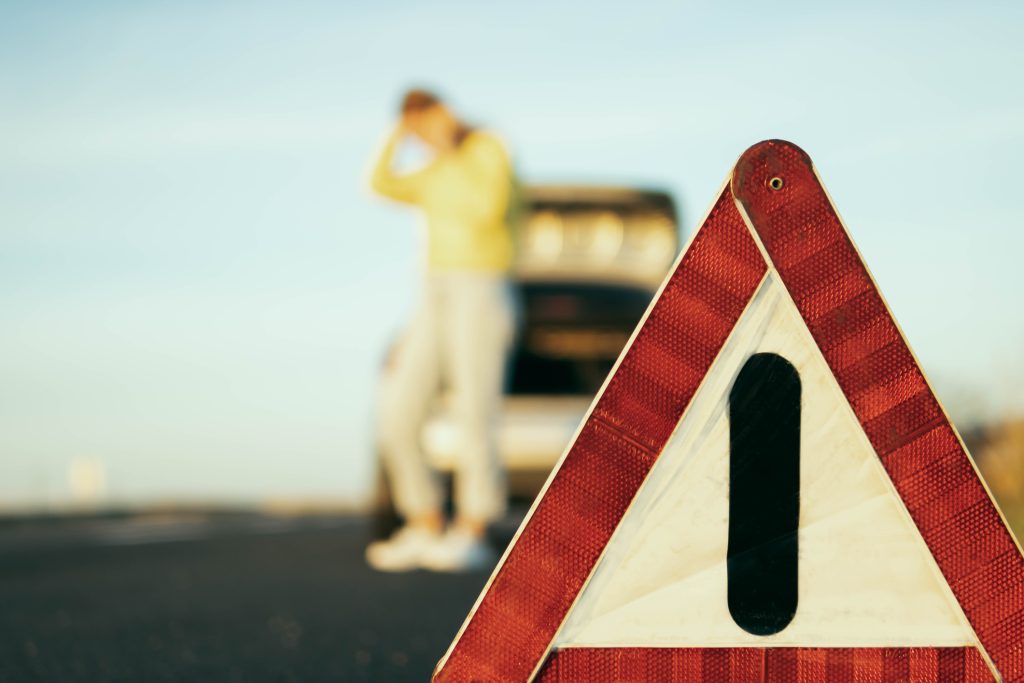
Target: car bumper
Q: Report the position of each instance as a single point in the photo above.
(533, 432)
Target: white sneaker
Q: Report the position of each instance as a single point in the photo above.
(402, 552)
(458, 551)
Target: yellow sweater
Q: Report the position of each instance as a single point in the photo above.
(464, 195)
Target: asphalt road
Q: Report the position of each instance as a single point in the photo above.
(222, 598)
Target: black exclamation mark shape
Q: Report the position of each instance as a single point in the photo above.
(764, 494)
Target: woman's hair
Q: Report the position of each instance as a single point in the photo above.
(416, 100)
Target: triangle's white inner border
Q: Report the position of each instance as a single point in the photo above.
(867, 578)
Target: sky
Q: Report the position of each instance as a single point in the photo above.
(196, 288)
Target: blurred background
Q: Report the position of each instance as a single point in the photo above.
(197, 292)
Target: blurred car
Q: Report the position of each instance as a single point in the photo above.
(589, 259)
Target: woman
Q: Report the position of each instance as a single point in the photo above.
(459, 338)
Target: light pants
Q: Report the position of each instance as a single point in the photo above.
(459, 339)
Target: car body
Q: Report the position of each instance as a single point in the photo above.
(589, 260)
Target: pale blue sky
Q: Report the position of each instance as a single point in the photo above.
(195, 289)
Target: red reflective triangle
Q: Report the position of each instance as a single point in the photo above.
(757, 226)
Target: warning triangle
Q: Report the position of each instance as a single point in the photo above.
(766, 487)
